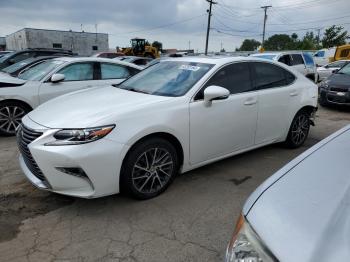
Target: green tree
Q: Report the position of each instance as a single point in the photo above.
(334, 36)
(157, 45)
(280, 42)
(309, 42)
(249, 45)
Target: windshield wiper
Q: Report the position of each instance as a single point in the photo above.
(136, 90)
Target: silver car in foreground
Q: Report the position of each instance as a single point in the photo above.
(301, 213)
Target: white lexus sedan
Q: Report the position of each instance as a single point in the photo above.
(52, 78)
(301, 213)
(172, 117)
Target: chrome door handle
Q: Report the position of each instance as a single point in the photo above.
(250, 102)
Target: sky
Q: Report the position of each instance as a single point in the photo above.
(177, 24)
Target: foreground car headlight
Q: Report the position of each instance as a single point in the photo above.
(246, 246)
(79, 136)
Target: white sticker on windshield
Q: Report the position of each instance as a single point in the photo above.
(189, 67)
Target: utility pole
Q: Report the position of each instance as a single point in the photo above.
(211, 3)
(189, 45)
(318, 37)
(265, 7)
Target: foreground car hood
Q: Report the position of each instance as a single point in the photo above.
(302, 212)
(89, 107)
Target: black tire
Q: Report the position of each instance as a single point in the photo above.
(299, 130)
(149, 168)
(11, 113)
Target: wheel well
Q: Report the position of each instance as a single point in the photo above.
(308, 109)
(311, 77)
(170, 138)
(17, 101)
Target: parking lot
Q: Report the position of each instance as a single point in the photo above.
(192, 221)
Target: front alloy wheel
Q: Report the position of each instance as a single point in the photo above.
(299, 130)
(10, 118)
(149, 168)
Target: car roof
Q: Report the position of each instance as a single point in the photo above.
(217, 60)
(277, 53)
(96, 59)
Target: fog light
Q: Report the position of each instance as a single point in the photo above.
(74, 171)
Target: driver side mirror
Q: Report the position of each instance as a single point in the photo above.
(215, 93)
(335, 71)
(56, 78)
(11, 61)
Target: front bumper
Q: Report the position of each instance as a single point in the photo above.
(100, 161)
(341, 97)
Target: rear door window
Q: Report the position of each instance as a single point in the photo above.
(112, 71)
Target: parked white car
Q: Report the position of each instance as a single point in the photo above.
(301, 212)
(325, 71)
(53, 78)
(301, 61)
(172, 117)
(323, 56)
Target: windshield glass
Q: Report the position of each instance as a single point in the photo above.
(269, 57)
(168, 78)
(345, 70)
(38, 72)
(19, 65)
(3, 58)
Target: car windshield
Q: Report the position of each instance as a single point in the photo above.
(168, 78)
(3, 58)
(269, 57)
(345, 70)
(13, 68)
(38, 72)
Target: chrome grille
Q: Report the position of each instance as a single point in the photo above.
(24, 137)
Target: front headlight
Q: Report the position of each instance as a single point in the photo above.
(324, 84)
(246, 246)
(79, 136)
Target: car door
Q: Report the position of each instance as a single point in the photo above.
(112, 74)
(79, 75)
(226, 125)
(298, 63)
(277, 97)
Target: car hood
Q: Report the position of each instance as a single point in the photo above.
(339, 80)
(7, 80)
(92, 107)
(302, 212)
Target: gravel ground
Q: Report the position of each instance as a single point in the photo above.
(192, 221)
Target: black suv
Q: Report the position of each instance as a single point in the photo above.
(15, 57)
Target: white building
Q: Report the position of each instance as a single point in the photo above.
(82, 43)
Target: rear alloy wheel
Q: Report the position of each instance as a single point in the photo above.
(149, 168)
(299, 130)
(11, 114)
